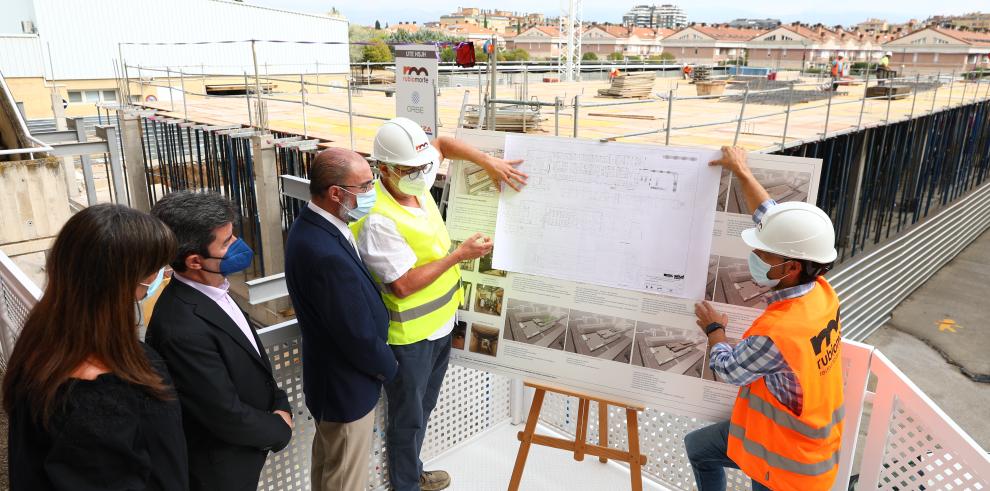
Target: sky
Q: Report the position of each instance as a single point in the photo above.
(830, 12)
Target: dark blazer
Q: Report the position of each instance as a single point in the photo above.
(343, 320)
(225, 386)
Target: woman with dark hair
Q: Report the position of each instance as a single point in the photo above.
(90, 406)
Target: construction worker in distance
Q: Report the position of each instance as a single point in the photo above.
(614, 72)
(786, 425)
(687, 70)
(404, 243)
(838, 71)
(883, 68)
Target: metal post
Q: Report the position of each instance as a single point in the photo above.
(302, 95)
(171, 96)
(182, 85)
(938, 81)
(742, 110)
(787, 116)
(257, 89)
(670, 113)
(557, 102)
(493, 81)
(828, 113)
(952, 81)
(247, 99)
(577, 107)
(350, 112)
(886, 117)
(269, 211)
(914, 98)
(866, 85)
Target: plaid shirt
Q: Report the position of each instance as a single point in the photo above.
(756, 356)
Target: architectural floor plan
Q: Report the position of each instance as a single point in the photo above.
(627, 216)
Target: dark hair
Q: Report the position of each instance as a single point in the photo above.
(810, 270)
(330, 167)
(87, 311)
(193, 216)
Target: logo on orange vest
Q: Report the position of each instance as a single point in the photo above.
(824, 346)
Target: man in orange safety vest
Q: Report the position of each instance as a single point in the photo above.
(786, 426)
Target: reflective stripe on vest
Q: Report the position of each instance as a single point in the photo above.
(425, 309)
(776, 447)
(779, 461)
(787, 420)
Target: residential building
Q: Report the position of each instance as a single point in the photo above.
(666, 16)
(540, 42)
(798, 46)
(971, 21)
(604, 40)
(500, 21)
(873, 25)
(767, 23)
(42, 50)
(940, 49)
(410, 27)
(709, 44)
(471, 32)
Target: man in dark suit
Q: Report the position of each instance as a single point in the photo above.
(343, 320)
(232, 410)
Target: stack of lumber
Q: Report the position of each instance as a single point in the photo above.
(630, 85)
(514, 119)
(701, 73)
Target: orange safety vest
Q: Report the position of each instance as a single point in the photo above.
(837, 68)
(780, 449)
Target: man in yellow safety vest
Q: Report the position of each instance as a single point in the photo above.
(404, 243)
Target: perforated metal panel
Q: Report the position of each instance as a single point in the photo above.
(661, 438)
(471, 401)
(915, 459)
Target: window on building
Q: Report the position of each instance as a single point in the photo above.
(783, 52)
(92, 96)
(935, 58)
(914, 58)
(718, 51)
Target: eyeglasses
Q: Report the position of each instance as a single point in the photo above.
(413, 172)
(363, 187)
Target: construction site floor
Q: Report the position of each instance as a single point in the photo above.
(806, 123)
(940, 338)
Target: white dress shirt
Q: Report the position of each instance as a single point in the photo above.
(387, 254)
(223, 300)
(336, 222)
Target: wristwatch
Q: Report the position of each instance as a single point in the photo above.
(714, 326)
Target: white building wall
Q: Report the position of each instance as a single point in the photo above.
(21, 56)
(83, 37)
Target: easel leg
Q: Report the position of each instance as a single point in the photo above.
(581, 433)
(602, 428)
(635, 468)
(526, 439)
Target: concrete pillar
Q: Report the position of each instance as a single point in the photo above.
(67, 163)
(268, 202)
(131, 134)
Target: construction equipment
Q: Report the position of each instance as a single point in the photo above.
(630, 85)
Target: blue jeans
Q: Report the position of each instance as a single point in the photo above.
(412, 395)
(707, 449)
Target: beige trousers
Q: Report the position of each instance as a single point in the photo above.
(340, 455)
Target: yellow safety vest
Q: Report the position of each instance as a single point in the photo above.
(414, 318)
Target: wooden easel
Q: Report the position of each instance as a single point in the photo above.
(579, 445)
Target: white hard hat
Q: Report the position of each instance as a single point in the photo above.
(889, 53)
(401, 141)
(795, 230)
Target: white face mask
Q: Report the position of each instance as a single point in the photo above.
(419, 185)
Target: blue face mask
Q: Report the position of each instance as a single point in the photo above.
(238, 257)
(153, 286)
(758, 269)
(365, 202)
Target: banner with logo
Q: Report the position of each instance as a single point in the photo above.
(415, 85)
